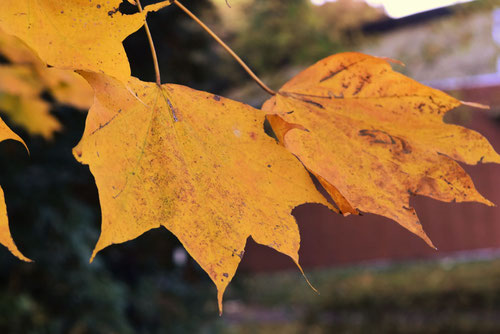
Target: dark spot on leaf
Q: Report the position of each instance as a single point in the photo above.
(359, 88)
(225, 275)
(333, 73)
(314, 103)
(216, 97)
(366, 133)
(448, 182)
(113, 12)
(382, 137)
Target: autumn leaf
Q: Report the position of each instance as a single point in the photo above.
(26, 78)
(196, 163)
(67, 87)
(19, 99)
(5, 237)
(16, 51)
(77, 34)
(374, 137)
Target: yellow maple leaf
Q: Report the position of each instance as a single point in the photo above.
(31, 113)
(67, 87)
(199, 165)
(77, 34)
(20, 100)
(15, 50)
(23, 82)
(5, 237)
(374, 137)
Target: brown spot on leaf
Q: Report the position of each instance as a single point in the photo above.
(319, 105)
(382, 137)
(333, 73)
(113, 12)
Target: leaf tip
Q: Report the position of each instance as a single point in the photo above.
(481, 199)
(94, 253)
(22, 257)
(495, 159)
(16, 252)
(305, 277)
(489, 203)
(427, 240)
(393, 61)
(475, 105)
(220, 294)
(8, 242)
(416, 228)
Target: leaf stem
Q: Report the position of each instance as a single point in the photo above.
(152, 45)
(225, 46)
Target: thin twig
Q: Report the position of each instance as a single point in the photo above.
(152, 45)
(224, 45)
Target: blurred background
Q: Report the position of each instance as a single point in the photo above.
(373, 276)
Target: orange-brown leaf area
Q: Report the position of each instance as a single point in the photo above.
(77, 34)
(374, 137)
(5, 237)
(26, 78)
(196, 163)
